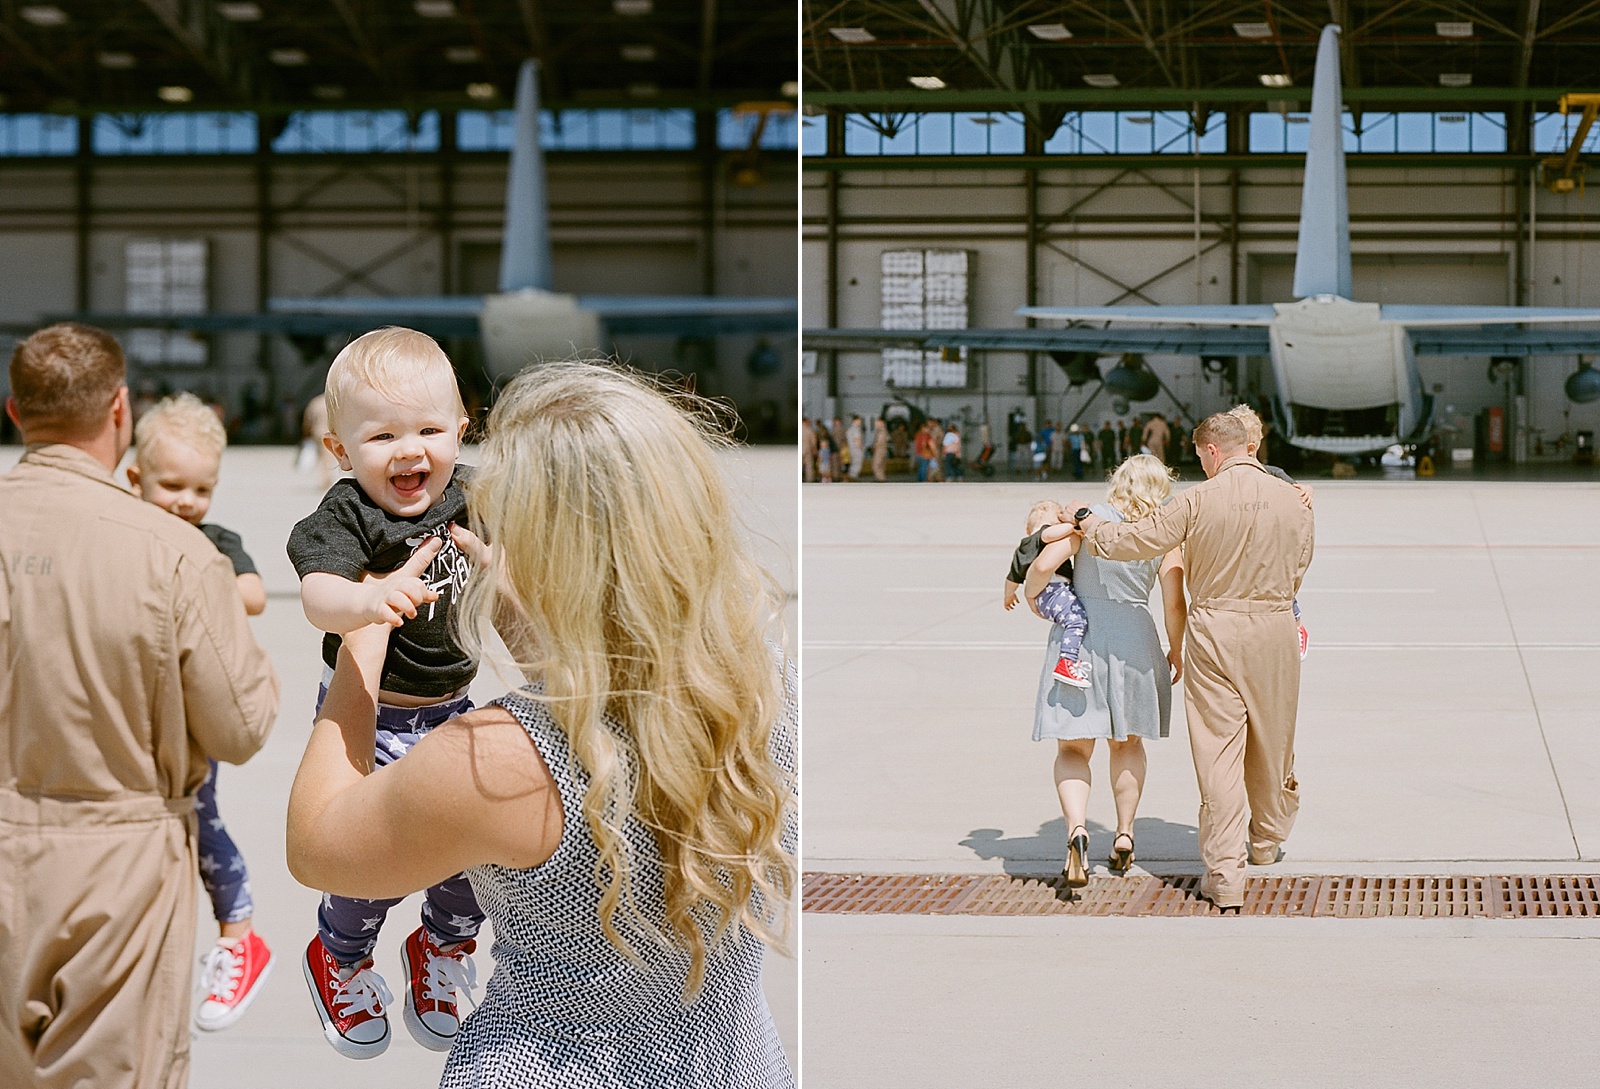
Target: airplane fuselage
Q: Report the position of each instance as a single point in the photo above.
(1347, 380)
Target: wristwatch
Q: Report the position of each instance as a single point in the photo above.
(1080, 514)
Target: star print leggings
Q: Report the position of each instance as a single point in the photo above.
(222, 868)
(450, 911)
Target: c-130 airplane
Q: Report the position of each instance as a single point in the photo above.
(1346, 371)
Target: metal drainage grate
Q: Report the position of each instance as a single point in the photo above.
(1496, 896)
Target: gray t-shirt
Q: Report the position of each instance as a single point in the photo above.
(348, 535)
(230, 545)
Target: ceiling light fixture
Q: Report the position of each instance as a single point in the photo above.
(1455, 79)
(790, 88)
(44, 15)
(927, 83)
(328, 92)
(1050, 32)
(1102, 80)
(1275, 79)
(240, 13)
(175, 94)
(853, 35)
(435, 9)
(288, 58)
(462, 54)
(1253, 30)
(1453, 30)
(116, 60)
(633, 7)
(639, 53)
(644, 90)
(481, 91)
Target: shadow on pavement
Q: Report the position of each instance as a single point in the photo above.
(1158, 841)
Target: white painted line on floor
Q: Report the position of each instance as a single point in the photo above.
(1367, 590)
(931, 644)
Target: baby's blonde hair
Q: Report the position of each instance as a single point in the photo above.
(1253, 427)
(1139, 486)
(182, 417)
(1046, 512)
(392, 360)
(624, 585)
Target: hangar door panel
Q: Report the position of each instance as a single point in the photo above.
(1469, 279)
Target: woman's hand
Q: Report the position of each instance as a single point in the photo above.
(1175, 660)
(469, 542)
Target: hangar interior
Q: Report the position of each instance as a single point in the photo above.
(1100, 153)
(189, 157)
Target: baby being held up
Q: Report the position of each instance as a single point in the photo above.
(1047, 523)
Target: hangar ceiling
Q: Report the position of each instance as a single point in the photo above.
(274, 56)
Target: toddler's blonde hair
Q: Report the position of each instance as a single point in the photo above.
(1253, 427)
(392, 360)
(1046, 512)
(183, 418)
(1139, 486)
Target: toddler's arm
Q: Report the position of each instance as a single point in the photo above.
(1010, 599)
(1057, 532)
(253, 592)
(338, 605)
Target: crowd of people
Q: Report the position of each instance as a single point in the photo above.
(625, 819)
(1229, 554)
(938, 451)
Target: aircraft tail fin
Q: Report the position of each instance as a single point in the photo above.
(1322, 260)
(525, 252)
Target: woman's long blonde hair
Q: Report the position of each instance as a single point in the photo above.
(1139, 485)
(624, 585)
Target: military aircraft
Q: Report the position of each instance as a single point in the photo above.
(1345, 371)
(526, 320)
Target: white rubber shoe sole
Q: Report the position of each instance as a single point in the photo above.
(420, 1032)
(233, 1015)
(350, 1049)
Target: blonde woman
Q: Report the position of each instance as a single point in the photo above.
(626, 818)
(1130, 698)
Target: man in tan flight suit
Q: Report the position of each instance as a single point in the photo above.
(127, 661)
(1155, 435)
(1246, 539)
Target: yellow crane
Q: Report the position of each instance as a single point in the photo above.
(1563, 173)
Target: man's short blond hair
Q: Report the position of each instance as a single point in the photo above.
(1223, 430)
(394, 361)
(65, 376)
(182, 418)
(1254, 429)
(1046, 512)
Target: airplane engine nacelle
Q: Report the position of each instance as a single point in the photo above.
(1131, 380)
(531, 326)
(1583, 385)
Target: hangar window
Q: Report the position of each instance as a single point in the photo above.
(359, 131)
(1135, 132)
(581, 130)
(1553, 132)
(1387, 133)
(175, 134)
(735, 129)
(24, 134)
(988, 133)
(814, 134)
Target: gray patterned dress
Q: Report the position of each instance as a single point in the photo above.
(1131, 687)
(565, 1008)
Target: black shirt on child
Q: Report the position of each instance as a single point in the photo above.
(348, 535)
(1026, 553)
(230, 545)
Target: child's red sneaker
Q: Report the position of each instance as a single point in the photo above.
(1074, 673)
(350, 1000)
(434, 973)
(1305, 642)
(231, 976)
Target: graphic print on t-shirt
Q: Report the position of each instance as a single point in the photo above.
(447, 574)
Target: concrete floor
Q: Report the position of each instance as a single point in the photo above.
(1447, 724)
(279, 1042)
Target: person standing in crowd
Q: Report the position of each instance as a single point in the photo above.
(827, 458)
(841, 449)
(855, 444)
(1155, 436)
(128, 663)
(1124, 441)
(953, 469)
(1247, 543)
(1108, 448)
(1075, 442)
(808, 450)
(1058, 445)
(880, 449)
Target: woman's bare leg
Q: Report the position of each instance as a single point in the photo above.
(1072, 781)
(1127, 780)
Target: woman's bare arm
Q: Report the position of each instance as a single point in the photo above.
(1175, 610)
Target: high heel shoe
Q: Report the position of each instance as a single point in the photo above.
(1121, 857)
(1075, 874)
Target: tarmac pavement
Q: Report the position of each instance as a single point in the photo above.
(1447, 725)
(279, 1041)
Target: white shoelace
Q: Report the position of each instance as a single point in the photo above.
(448, 974)
(364, 992)
(220, 972)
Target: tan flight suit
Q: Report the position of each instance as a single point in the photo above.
(127, 662)
(1155, 437)
(1246, 539)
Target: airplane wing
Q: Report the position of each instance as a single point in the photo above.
(1251, 314)
(694, 315)
(1504, 340)
(1113, 341)
(1441, 317)
(289, 323)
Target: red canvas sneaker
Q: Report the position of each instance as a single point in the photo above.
(1074, 673)
(350, 999)
(434, 974)
(1305, 642)
(231, 976)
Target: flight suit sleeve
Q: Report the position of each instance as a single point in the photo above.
(1308, 535)
(230, 692)
(1154, 535)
